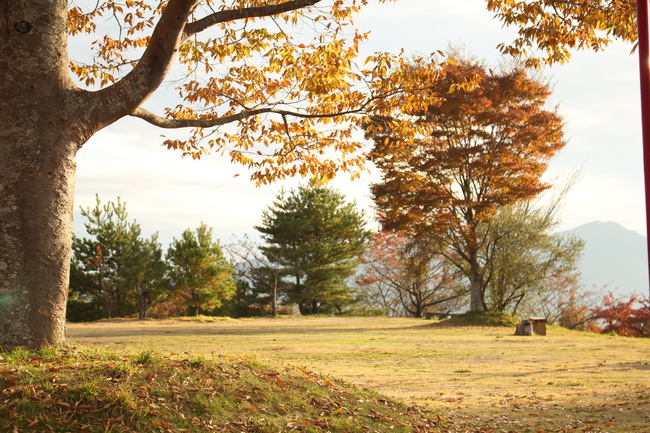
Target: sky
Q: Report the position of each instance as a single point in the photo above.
(596, 93)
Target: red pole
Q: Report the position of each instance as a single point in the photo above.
(644, 72)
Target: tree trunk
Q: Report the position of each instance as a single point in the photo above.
(44, 120)
(39, 138)
(475, 284)
(274, 298)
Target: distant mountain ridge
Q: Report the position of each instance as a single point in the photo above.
(613, 256)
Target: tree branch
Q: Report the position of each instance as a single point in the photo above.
(163, 122)
(237, 14)
(128, 93)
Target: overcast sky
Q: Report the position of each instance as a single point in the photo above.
(597, 94)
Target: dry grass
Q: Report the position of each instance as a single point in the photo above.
(489, 378)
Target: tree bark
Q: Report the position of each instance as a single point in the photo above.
(39, 137)
(44, 120)
(475, 283)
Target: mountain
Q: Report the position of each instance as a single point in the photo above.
(613, 256)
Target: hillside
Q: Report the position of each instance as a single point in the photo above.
(613, 256)
(84, 390)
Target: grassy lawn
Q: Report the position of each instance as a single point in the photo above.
(483, 378)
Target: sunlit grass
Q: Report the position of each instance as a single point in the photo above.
(85, 390)
(565, 381)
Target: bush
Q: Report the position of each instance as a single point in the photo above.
(483, 318)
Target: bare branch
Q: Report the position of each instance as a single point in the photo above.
(238, 14)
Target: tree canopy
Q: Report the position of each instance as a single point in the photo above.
(316, 237)
(275, 86)
(448, 168)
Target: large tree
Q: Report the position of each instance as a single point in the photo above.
(317, 237)
(447, 169)
(275, 71)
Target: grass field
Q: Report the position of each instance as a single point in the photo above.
(486, 379)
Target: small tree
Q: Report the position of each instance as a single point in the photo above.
(402, 274)
(115, 266)
(261, 269)
(524, 258)
(200, 275)
(316, 237)
(447, 169)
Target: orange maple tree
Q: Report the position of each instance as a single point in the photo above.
(446, 169)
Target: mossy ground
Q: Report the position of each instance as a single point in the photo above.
(85, 390)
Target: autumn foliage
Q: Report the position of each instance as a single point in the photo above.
(629, 317)
(457, 161)
(274, 86)
(482, 143)
(549, 29)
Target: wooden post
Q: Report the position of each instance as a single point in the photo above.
(644, 72)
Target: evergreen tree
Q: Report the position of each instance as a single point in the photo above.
(115, 272)
(200, 275)
(317, 238)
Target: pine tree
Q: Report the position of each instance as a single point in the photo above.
(200, 275)
(317, 238)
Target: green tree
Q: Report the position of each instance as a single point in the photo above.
(115, 266)
(200, 275)
(316, 237)
(526, 260)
